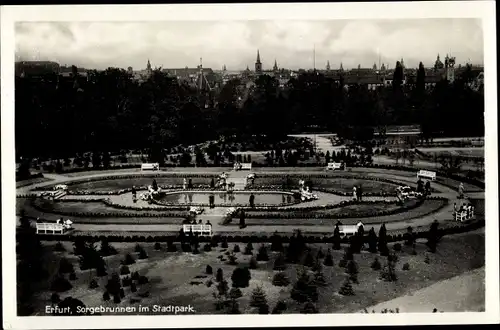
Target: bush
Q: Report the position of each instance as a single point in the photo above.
(60, 284)
(129, 260)
(235, 293)
(376, 264)
(157, 246)
(280, 279)
(126, 281)
(72, 276)
(219, 277)
(262, 254)
(309, 259)
(106, 296)
(124, 270)
(352, 270)
(279, 263)
(137, 248)
(117, 299)
(55, 299)
(241, 277)
(142, 254)
(397, 247)
(142, 280)
(259, 300)
(171, 247)
(253, 263)
(59, 247)
(93, 284)
(406, 266)
(309, 308)
(346, 289)
(279, 308)
(65, 266)
(122, 293)
(236, 248)
(304, 289)
(186, 247)
(248, 249)
(224, 244)
(133, 287)
(208, 269)
(135, 276)
(207, 247)
(328, 261)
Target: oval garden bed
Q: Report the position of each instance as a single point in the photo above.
(313, 218)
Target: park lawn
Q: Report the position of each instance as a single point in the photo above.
(173, 276)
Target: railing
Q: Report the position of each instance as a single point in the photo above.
(46, 227)
(202, 230)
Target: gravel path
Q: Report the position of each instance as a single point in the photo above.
(463, 293)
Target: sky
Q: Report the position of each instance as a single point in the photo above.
(292, 43)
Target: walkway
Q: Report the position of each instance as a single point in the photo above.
(215, 215)
(463, 293)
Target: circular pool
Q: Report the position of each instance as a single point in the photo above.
(241, 198)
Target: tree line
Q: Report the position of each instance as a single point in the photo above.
(59, 117)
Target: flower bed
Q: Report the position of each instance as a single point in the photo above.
(328, 213)
(136, 176)
(138, 188)
(276, 181)
(124, 212)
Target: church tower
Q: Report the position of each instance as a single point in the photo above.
(258, 64)
(449, 64)
(327, 65)
(149, 71)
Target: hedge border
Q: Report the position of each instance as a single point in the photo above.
(392, 237)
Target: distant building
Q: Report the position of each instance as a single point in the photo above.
(258, 64)
(36, 68)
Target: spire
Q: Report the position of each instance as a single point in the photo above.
(275, 67)
(148, 66)
(327, 65)
(258, 57)
(224, 68)
(341, 67)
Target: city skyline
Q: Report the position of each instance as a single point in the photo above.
(293, 44)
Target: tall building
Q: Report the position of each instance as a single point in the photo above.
(449, 64)
(258, 64)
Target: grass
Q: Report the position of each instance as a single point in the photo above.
(173, 276)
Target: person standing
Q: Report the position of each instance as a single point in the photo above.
(184, 184)
(428, 188)
(354, 193)
(461, 191)
(252, 200)
(211, 200)
(360, 193)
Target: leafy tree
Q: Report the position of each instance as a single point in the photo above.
(241, 277)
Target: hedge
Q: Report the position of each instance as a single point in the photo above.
(307, 214)
(393, 236)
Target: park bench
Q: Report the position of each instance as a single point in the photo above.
(349, 230)
(423, 174)
(61, 187)
(150, 167)
(50, 228)
(201, 230)
(333, 166)
(246, 166)
(462, 216)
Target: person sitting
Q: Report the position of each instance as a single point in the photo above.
(200, 222)
(208, 223)
(58, 221)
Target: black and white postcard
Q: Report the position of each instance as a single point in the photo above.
(332, 164)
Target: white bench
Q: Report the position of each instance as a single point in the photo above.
(202, 230)
(349, 230)
(462, 216)
(46, 227)
(333, 166)
(426, 175)
(61, 187)
(150, 167)
(246, 166)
